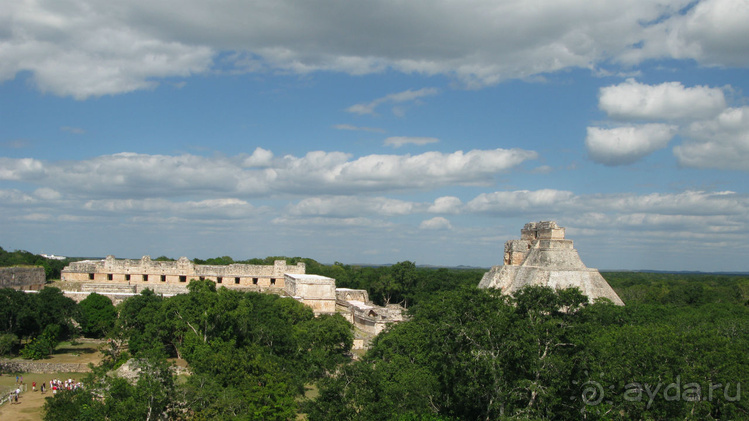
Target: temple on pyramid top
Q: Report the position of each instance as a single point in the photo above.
(544, 257)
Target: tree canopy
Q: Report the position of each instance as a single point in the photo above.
(249, 354)
(96, 315)
(42, 319)
(473, 354)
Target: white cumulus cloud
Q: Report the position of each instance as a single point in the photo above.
(687, 203)
(346, 206)
(431, 168)
(598, 208)
(436, 223)
(446, 204)
(21, 169)
(83, 49)
(521, 201)
(223, 208)
(634, 101)
(722, 142)
(134, 175)
(713, 134)
(627, 144)
(260, 158)
(88, 48)
(712, 32)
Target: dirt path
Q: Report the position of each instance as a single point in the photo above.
(30, 403)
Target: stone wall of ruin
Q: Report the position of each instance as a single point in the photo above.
(346, 294)
(534, 234)
(354, 306)
(315, 291)
(516, 251)
(371, 319)
(146, 272)
(21, 277)
(547, 230)
(26, 366)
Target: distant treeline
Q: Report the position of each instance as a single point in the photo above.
(679, 288)
(406, 283)
(402, 283)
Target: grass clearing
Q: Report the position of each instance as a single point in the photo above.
(30, 403)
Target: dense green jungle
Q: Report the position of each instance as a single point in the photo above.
(677, 350)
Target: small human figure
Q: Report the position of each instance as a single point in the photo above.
(42, 388)
(16, 378)
(33, 386)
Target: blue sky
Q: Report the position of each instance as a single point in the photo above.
(376, 132)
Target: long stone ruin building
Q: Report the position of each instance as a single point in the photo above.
(119, 279)
(151, 272)
(542, 256)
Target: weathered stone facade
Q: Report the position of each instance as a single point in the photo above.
(315, 291)
(121, 279)
(354, 305)
(149, 272)
(22, 277)
(544, 257)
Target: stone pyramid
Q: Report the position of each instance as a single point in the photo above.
(543, 257)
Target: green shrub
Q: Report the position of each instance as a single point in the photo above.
(43, 345)
(7, 341)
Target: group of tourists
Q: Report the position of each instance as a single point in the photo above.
(57, 384)
(54, 385)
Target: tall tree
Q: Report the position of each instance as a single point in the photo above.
(97, 315)
(55, 308)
